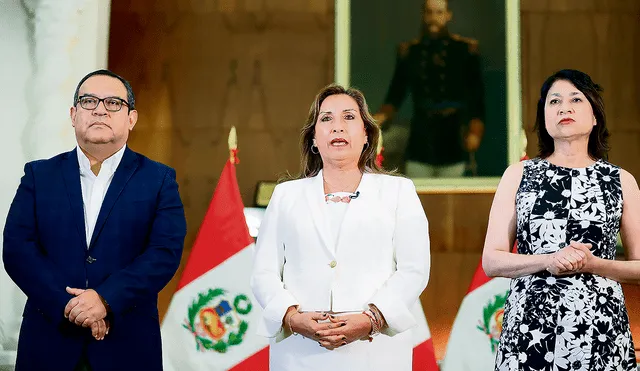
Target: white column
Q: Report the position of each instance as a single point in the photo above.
(69, 40)
(47, 46)
(16, 71)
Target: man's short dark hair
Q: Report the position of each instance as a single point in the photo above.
(131, 98)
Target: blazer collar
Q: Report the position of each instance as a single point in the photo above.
(367, 194)
(125, 170)
(71, 174)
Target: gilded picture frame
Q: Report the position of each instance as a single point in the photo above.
(514, 144)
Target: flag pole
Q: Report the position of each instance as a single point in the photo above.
(379, 150)
(233, 146)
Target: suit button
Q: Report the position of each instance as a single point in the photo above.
(333, 264)
(90, 259)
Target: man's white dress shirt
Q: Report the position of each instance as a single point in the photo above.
(94, 188)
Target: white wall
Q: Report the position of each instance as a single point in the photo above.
(15, 71)
(46, 47)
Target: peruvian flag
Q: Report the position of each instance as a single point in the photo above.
(476, 330)
(210, 322)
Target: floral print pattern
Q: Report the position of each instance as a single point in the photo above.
(574, 322)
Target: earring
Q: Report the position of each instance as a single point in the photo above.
(316, 147)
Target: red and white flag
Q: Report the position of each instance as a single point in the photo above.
(210, 322)
(476, 330)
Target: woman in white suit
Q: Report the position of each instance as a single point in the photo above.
(343, 252)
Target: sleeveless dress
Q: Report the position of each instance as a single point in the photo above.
(573, 322)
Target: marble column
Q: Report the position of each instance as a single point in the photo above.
(68, 39)
(14, 48)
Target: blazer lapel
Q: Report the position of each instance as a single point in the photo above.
(71, 175)
(314, 193)
(127, 167)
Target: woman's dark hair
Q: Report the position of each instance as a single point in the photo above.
(599, 138)
(311, 163)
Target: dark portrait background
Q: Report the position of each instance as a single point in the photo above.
(378, 26)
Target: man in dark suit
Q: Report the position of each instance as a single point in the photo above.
(442, 72)
(91, 238)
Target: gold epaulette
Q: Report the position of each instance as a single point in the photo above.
(403, 48)
(471, 43)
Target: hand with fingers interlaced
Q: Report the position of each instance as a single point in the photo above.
(308, 324)
(589, 258)
(569, 260)
(345, 329)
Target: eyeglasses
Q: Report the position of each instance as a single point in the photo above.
(111, 104)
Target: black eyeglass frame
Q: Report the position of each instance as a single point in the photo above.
(101, 100)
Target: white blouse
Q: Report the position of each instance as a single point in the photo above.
(335, 214)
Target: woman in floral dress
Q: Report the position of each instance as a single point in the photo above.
(566, 309)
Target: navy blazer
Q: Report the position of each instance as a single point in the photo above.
(135, 250)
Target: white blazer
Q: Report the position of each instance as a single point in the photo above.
(381, 257)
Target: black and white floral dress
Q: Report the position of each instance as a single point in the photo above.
(575, 322)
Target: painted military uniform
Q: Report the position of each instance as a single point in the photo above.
(445, 80)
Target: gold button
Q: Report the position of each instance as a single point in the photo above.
(333, 264)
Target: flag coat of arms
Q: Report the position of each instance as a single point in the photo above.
(476, 330)
(210, 322)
